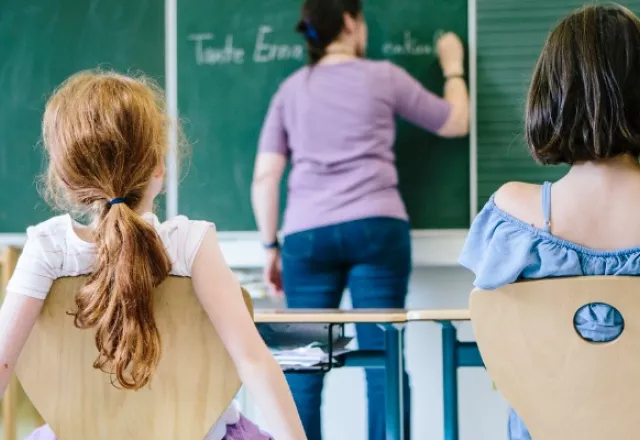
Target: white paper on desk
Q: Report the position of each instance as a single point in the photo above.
(307, 356)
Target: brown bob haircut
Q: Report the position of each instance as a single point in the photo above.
(584, 100)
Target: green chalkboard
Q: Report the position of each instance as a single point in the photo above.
(511, 34)
(41, 43)
(233, 55)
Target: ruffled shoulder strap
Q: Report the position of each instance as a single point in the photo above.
(501, 249)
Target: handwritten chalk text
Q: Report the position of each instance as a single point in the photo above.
(216, 55)
(266, 52)
(410, 46)
(208, 51)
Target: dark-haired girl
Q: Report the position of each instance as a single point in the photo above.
(345, 224)
(584, 111)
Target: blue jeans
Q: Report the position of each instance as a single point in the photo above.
(371, 257)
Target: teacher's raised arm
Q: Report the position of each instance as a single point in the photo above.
(345, 224)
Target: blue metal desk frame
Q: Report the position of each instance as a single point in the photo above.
(455, 355)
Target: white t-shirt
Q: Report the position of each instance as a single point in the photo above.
(54, 250)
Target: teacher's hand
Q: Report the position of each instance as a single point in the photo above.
(273, 273)
(451, 54)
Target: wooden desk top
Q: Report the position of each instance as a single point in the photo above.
(439, 315)
(379, 316)
(331, 316)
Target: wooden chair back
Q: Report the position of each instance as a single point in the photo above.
(194, 383)
(562, 386)
(8, 261)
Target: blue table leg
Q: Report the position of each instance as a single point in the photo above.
(450, 380)
(394, 366)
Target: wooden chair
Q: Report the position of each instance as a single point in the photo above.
(562, 386)
(10, 399)
(195, 381)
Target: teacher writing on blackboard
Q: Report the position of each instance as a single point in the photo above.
(345, 224)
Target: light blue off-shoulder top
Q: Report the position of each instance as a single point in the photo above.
(502, 249)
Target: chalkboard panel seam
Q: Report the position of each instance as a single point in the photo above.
(171, 90)
(473, 118)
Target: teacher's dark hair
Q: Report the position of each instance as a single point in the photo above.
(584, 100)
(322, 22)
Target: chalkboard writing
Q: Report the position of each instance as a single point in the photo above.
(206, 52)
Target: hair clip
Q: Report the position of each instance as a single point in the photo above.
(311, 32)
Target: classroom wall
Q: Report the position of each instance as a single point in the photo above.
(483, 412)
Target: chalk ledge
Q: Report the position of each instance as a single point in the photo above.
(243, 250)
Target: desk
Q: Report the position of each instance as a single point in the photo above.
(455, 354)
